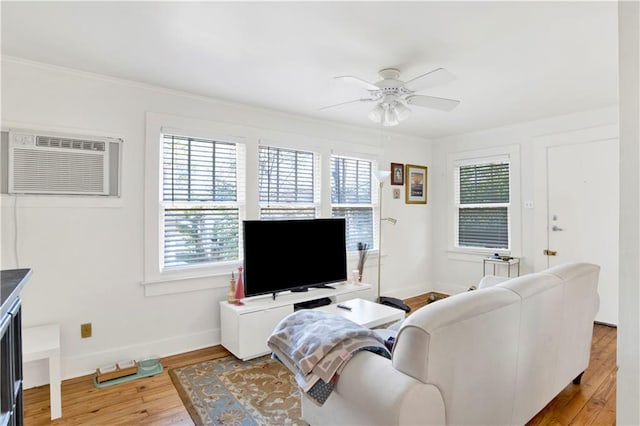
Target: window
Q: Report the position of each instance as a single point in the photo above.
(352, 198)
(201, 213)
(482, 201)
(287, 183)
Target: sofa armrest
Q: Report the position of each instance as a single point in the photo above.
(371, 392)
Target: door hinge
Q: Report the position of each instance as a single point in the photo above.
(550, 252)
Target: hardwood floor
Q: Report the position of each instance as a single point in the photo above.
(154, 400)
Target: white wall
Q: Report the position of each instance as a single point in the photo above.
(628, 377)
(87, 255)
(455, 272)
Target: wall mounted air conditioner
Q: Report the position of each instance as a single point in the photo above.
(49, 163)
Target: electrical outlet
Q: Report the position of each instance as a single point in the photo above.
(85, 330)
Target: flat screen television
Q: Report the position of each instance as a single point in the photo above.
(281, 255)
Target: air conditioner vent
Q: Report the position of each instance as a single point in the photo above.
(59, 164)
(58, 172)
(55, 142)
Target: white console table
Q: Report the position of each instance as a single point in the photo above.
(246, 328)
(43, 342)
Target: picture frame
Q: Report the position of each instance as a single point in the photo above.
(416, 190)
(397, 174)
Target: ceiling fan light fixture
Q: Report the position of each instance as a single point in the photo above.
(401, 111)
(376, 114)
(390, 117)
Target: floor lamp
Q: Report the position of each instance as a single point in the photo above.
(381, 176)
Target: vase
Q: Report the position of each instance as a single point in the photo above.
(240, 287)
(231, 295)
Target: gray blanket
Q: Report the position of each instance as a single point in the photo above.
(315, 346)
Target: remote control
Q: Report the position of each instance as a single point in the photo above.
(348, 308)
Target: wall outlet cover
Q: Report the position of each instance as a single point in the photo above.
(85, 330)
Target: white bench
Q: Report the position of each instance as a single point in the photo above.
(43, 342)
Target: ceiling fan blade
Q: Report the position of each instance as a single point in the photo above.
(430, 79)
(433, 102)
(357, 80)
(346, 103)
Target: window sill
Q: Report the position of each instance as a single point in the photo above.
(59, 201)
(183, 285)
(372, 256)
(188, 280)
(215, 279)
(474, 255)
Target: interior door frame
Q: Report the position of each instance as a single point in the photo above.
(541, 146)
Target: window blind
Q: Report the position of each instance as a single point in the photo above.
(193, 236)
(482, 192)
(287, 187)
(351, 198)
(198, 170)
(359, 221)
(200, 193)
(350, 181)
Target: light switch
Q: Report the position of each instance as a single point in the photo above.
(528, 204)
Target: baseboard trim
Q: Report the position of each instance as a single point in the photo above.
(405, 293)
(450, 288)
(37, 374)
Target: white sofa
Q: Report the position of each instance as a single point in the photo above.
(493, 356)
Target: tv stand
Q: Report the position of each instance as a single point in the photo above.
(323, 286)
(305, 289)
(245, 328)
(312, 304)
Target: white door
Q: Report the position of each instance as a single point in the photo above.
(583, 206)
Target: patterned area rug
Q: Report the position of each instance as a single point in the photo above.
(228, 391)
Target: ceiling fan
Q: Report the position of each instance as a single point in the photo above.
(393, 95)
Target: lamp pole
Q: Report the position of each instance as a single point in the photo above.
(379, 236)
(381, 175)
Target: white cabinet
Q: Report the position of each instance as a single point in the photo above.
(259, 325)
(246, 328)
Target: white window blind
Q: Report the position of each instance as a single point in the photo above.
(482, 202)
(287, 183)
(352, 199)
(200, 200)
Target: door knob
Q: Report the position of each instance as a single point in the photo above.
(556, 228)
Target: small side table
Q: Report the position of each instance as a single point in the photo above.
(43, 342)
(508, 263)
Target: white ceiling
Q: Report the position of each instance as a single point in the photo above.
(514, 61)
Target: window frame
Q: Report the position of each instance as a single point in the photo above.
(158, 280)
(460, 206)
(514, 212)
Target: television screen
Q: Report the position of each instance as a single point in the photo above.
(284, 255)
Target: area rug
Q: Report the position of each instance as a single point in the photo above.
(228, 391)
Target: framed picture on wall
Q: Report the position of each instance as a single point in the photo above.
(416, 191)
(397, 174)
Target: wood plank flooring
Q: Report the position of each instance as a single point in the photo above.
(154, 400)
